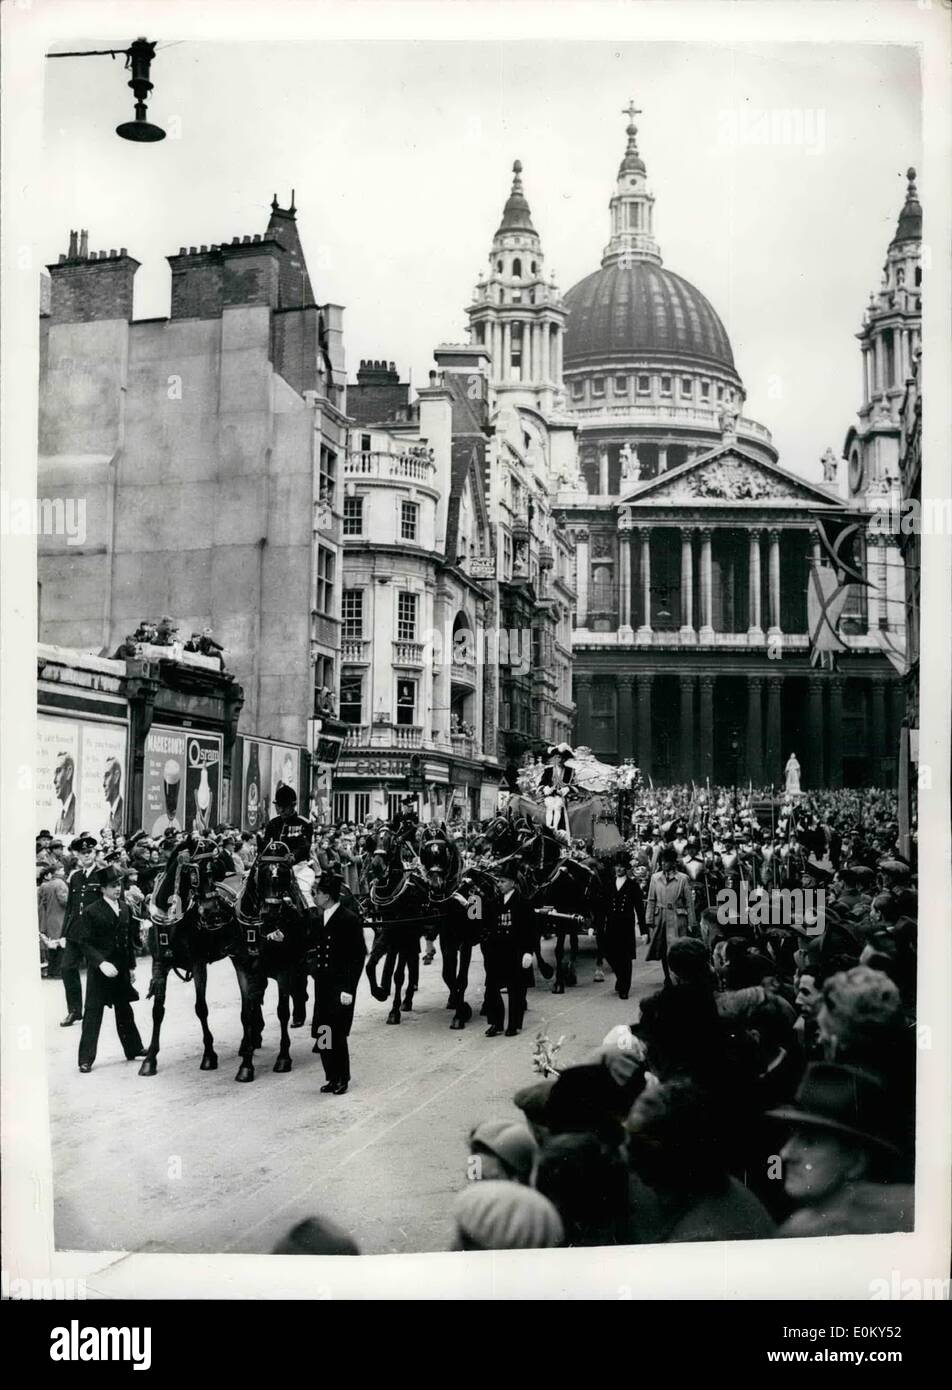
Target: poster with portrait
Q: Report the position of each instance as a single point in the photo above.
(56, 780)
(80, 776)
(181, 780)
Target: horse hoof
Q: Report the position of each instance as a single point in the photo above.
(148, 1067)
(379, 996)
(558, 988)
(209, 1062)
(407, 1005)
(393, 1016)
(282, 1064)
(246, 1072)
(545, 970)
(457, 1025)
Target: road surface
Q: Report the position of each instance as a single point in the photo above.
(190, 1161)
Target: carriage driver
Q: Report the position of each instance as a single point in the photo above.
(290, 829)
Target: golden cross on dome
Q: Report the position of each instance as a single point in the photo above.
(631, 110)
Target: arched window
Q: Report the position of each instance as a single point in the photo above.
(918, 274)
(517, 268)
(499, 266)
(534, 267)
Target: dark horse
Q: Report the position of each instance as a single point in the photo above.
(271, 943)
(461, 898)
(569, 897)
(398, 910)
(190, 929)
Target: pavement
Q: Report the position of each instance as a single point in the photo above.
(192, 1162)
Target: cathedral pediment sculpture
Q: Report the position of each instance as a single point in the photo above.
(726, 479)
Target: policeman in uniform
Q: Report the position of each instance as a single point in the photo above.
(107, 937)
(82, 892)
(624, 911)
(336, 960)
(509, 941)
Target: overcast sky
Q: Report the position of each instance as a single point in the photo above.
(401, 154)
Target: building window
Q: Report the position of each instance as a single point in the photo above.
(353, 516)
(644, 386)
(578, 390)
(324, 598)
(328, 476)
(720, 393)
(517, 268)
(705, 390)
(409, 516)
(361, 806)
(341, 806)
(365, 443)
(406, 702)
(687, 387)
(395, 804)
(499, 266)
(406, 617)
(351, 699)
(598, 386)
(352, 614)
(534, 267)
(480, 333)
(621, 386)
(506, 556)
(666, 386)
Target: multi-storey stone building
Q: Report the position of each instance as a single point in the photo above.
(208, 445)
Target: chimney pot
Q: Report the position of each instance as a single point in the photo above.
(83, 244)
(72, 246)
(182, 251)
(112, 253)
(62, 259)
(235, 240)
(246, 241)
(94, 255)
(204, 248)
(123, 251)
(192, 250)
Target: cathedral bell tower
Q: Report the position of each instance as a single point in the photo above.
(516, 314)
(632, 207)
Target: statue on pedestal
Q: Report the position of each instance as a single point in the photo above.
(630, 464)
(830, 465)
(792, 770)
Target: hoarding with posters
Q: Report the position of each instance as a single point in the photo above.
(80, 776)
(181, 784)
(264, 767)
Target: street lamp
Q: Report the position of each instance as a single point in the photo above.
(138, 57)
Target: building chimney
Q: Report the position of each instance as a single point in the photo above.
(86, 288)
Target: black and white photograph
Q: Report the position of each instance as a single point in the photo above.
(476, 488)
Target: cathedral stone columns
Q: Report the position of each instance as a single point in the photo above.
(644, 632)
(583, 711)
(817, 735)
(581, 578)
(507, 351)
(774, 584)
(774, 749)
(603, 472)
(707, 727)
(688, 768)
(754, 627)
(687, 582)
(836, 731)
(755, 740)
(644, 723)
(626, 719)
(707, 592)
(624, 579)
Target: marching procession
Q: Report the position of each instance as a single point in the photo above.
(781, 1021)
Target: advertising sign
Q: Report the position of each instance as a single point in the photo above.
(181, 785)
(80, 776)
(264, 767)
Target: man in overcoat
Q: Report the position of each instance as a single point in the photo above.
(670, 908)
(624, 914)
(508, 940)
(336, 960)
(107, 938)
